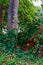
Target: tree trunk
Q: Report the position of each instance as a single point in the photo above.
(1, 8)
(13, 15)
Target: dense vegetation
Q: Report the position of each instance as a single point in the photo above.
(25, 46)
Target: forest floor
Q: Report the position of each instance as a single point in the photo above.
(21, 59)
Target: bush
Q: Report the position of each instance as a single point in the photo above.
(8, 41)
(32, 39)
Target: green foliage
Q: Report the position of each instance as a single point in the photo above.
(34, 30)
(5, 13)
(31, 28)
(4, 59)
(1, 1)
(8, 41)
(26, 14)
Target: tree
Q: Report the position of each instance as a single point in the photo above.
(13, 15)
(26, 14)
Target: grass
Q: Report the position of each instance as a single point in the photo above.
(14, 59)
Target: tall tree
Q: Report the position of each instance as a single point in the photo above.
(13, 15)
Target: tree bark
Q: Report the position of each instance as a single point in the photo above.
(1, 8)
(13, 15)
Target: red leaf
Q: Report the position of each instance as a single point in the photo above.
(42, 53)
(32, 44)
(41, 48)
(29, 40)
(40, 28)
(24, 48)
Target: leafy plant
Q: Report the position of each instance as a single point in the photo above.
(8, 41)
